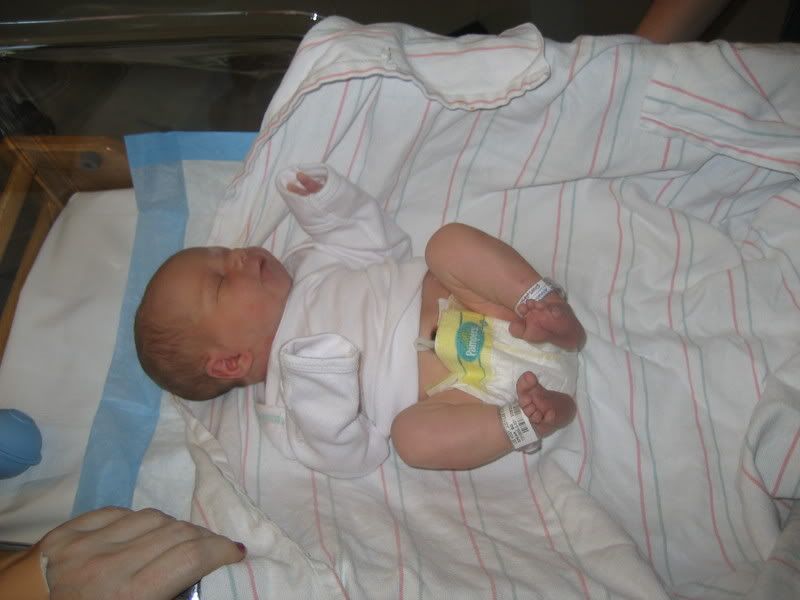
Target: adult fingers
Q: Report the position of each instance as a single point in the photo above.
(166, 537)
(135, 524)
(183, 564)
(96, 519)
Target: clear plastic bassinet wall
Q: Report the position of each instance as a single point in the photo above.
(72, 86)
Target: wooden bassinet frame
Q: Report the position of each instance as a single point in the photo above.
(42, 172)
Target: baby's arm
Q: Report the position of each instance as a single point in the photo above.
(342, 220)
(488, 276)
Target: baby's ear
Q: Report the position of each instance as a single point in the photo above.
(229, 366)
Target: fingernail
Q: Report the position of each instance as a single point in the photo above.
(242, 548)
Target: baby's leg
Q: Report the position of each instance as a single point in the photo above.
(547, 410)
(488, 276)
(450, 430)
(455, 430)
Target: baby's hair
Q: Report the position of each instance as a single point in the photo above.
(172, 353)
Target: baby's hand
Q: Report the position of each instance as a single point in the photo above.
(307, 185)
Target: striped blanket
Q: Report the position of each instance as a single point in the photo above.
(658, 184)
(666, 199)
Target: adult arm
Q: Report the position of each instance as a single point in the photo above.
(669, 21)
(118, 553)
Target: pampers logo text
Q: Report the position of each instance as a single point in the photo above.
(469, 341)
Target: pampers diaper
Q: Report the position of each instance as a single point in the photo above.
(485, 360)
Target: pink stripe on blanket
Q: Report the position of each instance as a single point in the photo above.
(585, 446)
(336, 121)
(694, 400)
(558, 230)
(361, 32)
(701, 437)
(741, 187)
(318, 523)
(455, 166)
(248, 401)
(617, 263)
(785, 563)
(263, 186)
(575, 59)
(546, 529)
(639, 476)
(470, 51)
(709, 101)
(747, 345)
(787, 201)
(605, 112)
(361, 136)
(785, 462)
(396, 527)
(791, 295)
(753, 79)
(744, 151)
(663, 189)
(666, 155)
(472, 540)
(251, 575)
(760, 485)
(522, 171)
(674, 268)
(408, 154)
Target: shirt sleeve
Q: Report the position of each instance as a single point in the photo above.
(22, 575)
(343, 221)
(326, 429)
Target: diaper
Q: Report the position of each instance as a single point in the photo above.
(486, 361)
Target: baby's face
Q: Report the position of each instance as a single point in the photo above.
(236, 296)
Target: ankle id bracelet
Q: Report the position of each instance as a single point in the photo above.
(539, 290)
(519, 429)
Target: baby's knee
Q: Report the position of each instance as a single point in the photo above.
(406, 440)
(444, 241)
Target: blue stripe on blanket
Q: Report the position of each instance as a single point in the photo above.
(129, 409)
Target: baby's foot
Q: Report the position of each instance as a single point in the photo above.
(549, 320)
(548, 411)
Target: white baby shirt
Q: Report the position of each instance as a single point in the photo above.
(343, 362)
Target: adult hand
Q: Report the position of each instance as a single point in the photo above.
(122, 554)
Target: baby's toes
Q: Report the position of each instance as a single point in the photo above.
(526, 383)
(535, 415)
(517, 328)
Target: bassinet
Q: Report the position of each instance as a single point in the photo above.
(666, 201)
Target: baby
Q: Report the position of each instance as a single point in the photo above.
(332, 330)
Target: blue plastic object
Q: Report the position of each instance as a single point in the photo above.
(20, 443)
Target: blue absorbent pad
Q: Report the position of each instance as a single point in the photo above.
(162, 167)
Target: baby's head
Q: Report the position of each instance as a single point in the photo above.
(208, 318)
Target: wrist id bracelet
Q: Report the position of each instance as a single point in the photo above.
(519, 429)
(539, 290)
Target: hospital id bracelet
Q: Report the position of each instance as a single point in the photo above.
(539, 290)
(519, 429)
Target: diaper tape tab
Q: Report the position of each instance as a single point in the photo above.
(519, 429)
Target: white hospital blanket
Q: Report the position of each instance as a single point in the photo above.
(659, 184)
